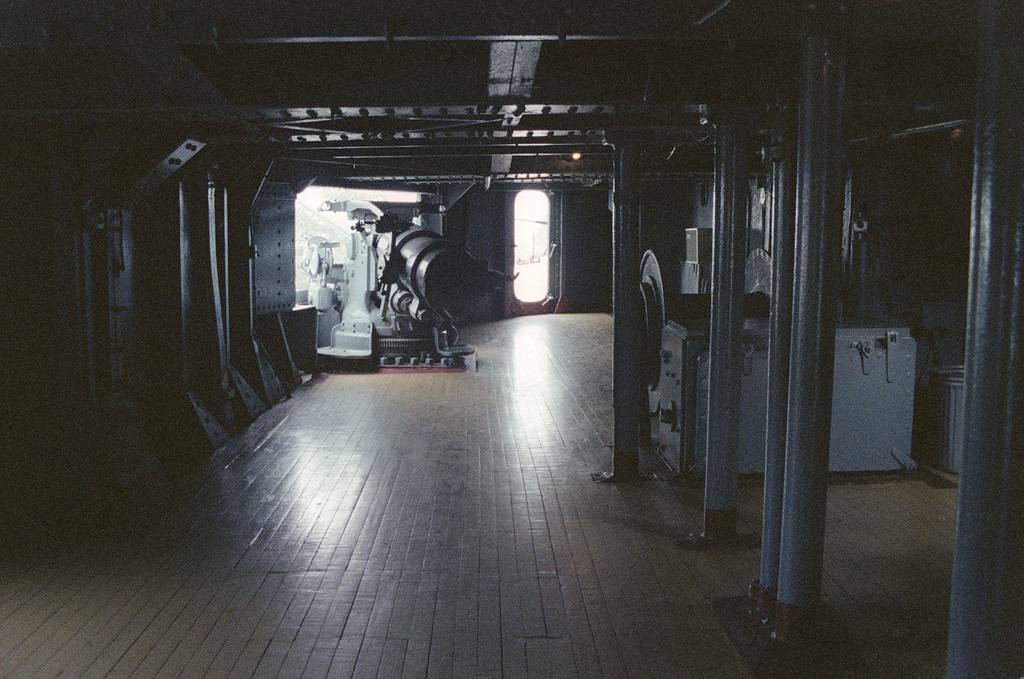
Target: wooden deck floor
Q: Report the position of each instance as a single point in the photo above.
(445, 525)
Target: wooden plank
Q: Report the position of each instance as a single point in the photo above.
(360, 529)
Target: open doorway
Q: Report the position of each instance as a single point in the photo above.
(532, 230)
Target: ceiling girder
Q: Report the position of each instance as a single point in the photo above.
(515, 177)
(501, 163)
(34, 24)
(460, 151)
(511, 71)
(512, 68)
(318, 114)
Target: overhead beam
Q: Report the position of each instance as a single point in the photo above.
(482, 125)
(419, 165)
(429, 146)
(588, 178)
(467, 151)
(688, 113)
(34, 24)
(501, 164)
(26, 24)
(511, 70)
(513, 66)
(592, 133)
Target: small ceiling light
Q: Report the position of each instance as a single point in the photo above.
(576, 155)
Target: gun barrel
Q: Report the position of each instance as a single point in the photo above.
(441, 273)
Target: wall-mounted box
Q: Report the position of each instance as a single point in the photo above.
(698, 245)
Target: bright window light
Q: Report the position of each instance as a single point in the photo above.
(532, 246)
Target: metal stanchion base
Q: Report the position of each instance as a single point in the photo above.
(796, 625)
(626, 469)
(828, 654)
(701, 541)
(719, 533)
(762, 602)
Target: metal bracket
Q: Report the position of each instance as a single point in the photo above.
(454, 193)
(296, 376)
(254, 405)
(271, 383)
(177, 159)
(215, 433)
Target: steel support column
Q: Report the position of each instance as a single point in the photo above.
(725, 336)
(986, 638)
(226, 231)
(819, 172)
(215, 432)
(185, 257)
(224, 360)
(626, 306)
(780, 155)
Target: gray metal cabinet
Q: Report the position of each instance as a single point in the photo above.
(872, 399)
(872, 409)
(675, 417)
(683, 415)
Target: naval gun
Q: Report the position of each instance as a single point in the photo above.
(398, 291)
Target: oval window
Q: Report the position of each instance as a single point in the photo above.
(532, 246)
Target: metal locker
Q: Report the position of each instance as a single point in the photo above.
(872, 399)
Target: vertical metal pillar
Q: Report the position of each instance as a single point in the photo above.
(215, 288)
(986, 638)
(225, 227)
(562, 305)
(215, 433)
(725, 336)
(780, 155)
(626, 306)
(185, 254)
(819, 175)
